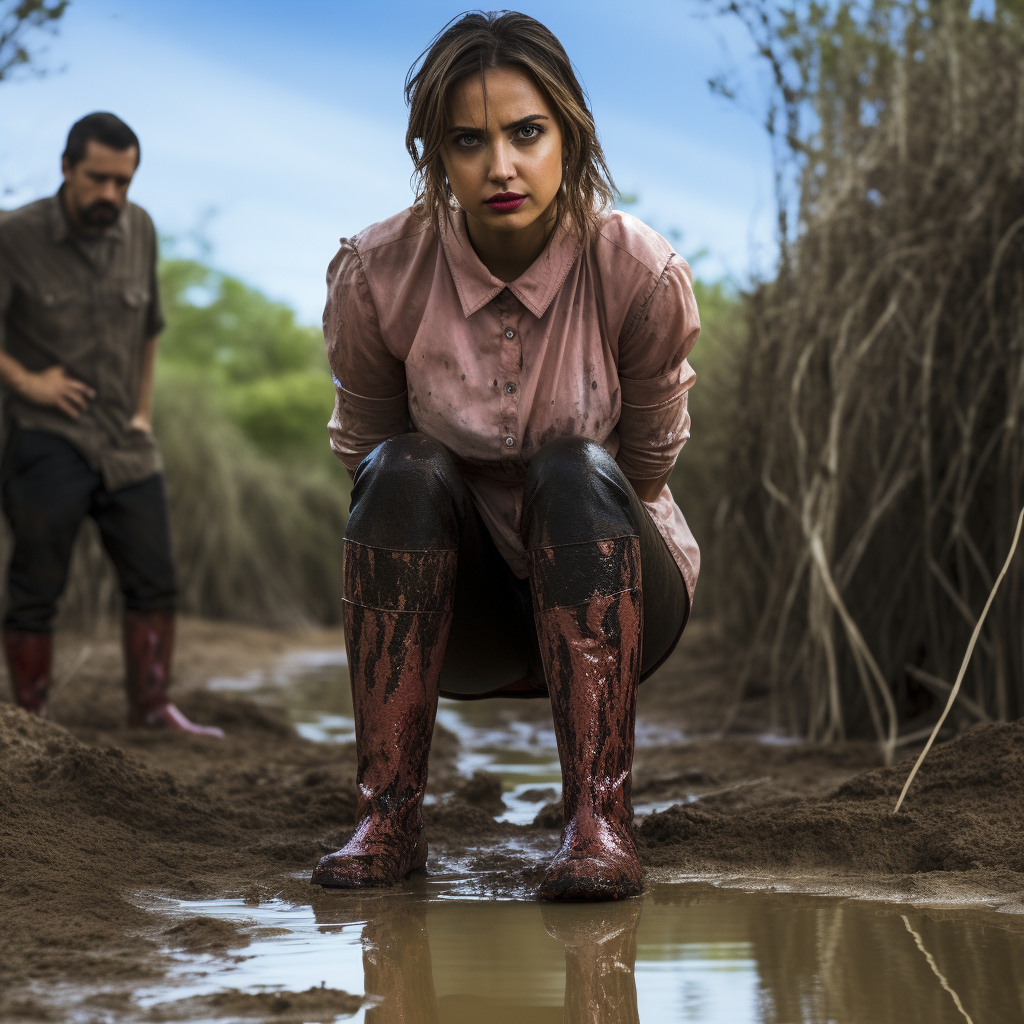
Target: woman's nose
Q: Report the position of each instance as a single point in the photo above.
(502, 165)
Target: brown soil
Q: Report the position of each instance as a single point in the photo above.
(95, 818)
(314, 1005)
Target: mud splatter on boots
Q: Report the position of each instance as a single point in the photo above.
(397, 613)
(148, 645)
(29, 657)
(589, 612)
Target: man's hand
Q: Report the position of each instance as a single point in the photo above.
(140, 421)
(53, 387)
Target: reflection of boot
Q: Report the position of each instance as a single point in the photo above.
(591, 655)
(148, 645)
(29, 656)
(600, 958)
(397, 615)
(397, 972)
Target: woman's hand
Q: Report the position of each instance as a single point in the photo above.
(648, 490)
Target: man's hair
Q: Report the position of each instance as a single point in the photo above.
(104, 128)
(477, 42)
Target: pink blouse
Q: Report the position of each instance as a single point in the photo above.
(590, 341)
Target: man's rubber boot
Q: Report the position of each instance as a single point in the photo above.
(397, 613)
(148, 645)
(589, 612)
(29, 661)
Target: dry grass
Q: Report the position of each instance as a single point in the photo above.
(876, 429)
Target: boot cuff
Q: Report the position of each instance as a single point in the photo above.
(398, 581)
(572, 574)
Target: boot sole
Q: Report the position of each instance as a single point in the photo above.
(588, 890)
(370, 882)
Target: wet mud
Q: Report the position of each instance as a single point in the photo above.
(97, 820)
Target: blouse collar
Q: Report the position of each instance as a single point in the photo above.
(535, 288)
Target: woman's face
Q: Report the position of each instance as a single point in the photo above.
(503, 159)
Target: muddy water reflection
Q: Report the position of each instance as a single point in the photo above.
(515, 976)
(687, 952)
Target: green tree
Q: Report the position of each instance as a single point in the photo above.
(266, 372)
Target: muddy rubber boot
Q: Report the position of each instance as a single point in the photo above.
(590, 648)
(29, 660)
(397, 613)
(148, 645)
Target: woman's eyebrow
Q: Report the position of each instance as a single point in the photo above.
(459, 129)
(524, 120)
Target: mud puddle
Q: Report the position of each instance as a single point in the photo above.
(685, 952)
(151, 816)
(458, 946)
(512, 739)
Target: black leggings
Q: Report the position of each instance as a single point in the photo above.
(408, 494)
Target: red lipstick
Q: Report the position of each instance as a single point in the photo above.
(506, 202)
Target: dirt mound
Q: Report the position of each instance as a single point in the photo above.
(964, 812)
(84, 828)
(87, 828)
(202, 934)
(482, 789)
(320, 1005)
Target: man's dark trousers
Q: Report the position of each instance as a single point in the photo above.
(48, 489)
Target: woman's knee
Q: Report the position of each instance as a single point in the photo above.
(407, 493)
(574, 492)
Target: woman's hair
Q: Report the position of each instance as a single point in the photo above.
(474, 43)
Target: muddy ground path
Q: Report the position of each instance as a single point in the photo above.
(97, 821)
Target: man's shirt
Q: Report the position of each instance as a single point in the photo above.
(89, 305)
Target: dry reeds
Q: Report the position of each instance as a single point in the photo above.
(876, 429)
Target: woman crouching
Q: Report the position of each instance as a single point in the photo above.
(510, 363)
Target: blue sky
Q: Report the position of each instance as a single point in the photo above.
(279, 128)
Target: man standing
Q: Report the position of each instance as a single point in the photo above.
(79, 320)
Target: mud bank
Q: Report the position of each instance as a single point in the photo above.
(96, 819)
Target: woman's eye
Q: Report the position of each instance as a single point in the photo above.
(466, 140)
(529, 131)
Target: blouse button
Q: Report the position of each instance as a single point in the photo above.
(509, 333)
(510, 388)
(510, 442)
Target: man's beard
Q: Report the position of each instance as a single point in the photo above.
(99, 214)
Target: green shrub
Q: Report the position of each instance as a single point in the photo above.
(697, 482)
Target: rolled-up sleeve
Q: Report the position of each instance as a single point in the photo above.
(370, 399)
(654, 375)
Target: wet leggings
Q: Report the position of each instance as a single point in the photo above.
(408, 494)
